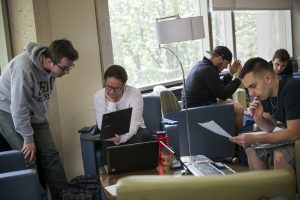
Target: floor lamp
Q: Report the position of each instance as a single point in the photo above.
(175, 29)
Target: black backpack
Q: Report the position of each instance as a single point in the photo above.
(83, 187)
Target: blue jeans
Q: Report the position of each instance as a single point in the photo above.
(47, 163)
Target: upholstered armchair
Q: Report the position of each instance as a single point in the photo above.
(17, 182)
(200, 140)
(268, 184)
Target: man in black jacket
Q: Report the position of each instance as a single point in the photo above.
(204, 85)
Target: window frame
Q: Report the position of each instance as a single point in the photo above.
(5, 45)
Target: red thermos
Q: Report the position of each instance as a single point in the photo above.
(163, 137)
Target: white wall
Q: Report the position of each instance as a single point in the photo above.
(76, 21)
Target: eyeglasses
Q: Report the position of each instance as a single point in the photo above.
(115, 89)
(65, 68)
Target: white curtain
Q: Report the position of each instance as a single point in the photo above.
(271, 33)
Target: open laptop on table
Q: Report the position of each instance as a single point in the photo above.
(200, 165)
(132, 157)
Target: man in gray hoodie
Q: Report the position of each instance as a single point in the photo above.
(25, 89)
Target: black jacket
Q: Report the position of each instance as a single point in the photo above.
(204, 85)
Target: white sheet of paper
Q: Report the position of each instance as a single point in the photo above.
(112, 189)
(214, 127)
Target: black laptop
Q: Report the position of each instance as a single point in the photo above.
(117, 122)
(132, 157)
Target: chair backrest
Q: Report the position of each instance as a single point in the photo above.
(22, 184)
(169, 102)
(201, 140)
(240, 95)
(12, 160)
(269, 184)
(17, 182)
(152, 113)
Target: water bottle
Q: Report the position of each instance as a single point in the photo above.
(161, 136)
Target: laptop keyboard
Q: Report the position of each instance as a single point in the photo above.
(206, 169)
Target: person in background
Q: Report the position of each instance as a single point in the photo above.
(281, 63)
(26, 85)
(117, 95)
(204, 85)
(275, 100)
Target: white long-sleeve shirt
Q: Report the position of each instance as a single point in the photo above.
(132, 97)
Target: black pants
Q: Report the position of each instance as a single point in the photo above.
(142, 135)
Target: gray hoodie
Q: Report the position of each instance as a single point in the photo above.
(25, 90)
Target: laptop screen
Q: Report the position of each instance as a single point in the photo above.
(117, 122)
(132, 157)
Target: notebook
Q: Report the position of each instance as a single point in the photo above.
(132, 157)
(117, 122)
(200, 165)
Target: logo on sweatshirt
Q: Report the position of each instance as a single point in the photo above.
(44, 90)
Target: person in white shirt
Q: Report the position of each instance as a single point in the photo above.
(116, 95)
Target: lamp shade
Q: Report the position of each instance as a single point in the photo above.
(179, 29)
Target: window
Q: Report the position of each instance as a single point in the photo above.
(243, 32)
(134, 45)
(261, 33)
(256, 33)
(218, 28)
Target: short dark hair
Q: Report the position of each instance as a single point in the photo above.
(282, 54)
(221, 51)
(255, 65)
(59, 49)
(117, 72)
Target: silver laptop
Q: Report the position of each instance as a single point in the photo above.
(200, 165)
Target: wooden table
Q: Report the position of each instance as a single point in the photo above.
(107, 180)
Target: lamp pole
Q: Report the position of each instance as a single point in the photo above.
(178, 30)
(184, 90)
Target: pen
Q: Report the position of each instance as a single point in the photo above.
(253, 110)
(252, 113)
